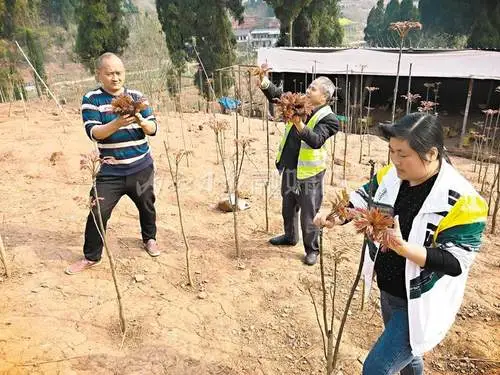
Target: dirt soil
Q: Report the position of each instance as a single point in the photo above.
(254, 316)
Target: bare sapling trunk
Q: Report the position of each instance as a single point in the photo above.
(333, 148)
(492, 189)
(333, 142)
(368, 120)
(402, 28)
(102, 233)
(182, 117)
(484, 145)
(236, 180)
(489, 150)
(327, 318)
(219, 127)
(358, 274)
(268, 180)
(395, 92)
(174, 174)
(361, 127)
(92, 163)
(497, 200)
(3, 257)
(346, 129)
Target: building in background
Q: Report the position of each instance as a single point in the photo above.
(256, 32)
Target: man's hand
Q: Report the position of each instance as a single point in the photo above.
(124, 121)
(298, 123)
(100, 132)
(148, 127)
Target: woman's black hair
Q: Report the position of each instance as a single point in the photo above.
(421, 131)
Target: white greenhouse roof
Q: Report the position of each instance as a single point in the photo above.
(477, 64)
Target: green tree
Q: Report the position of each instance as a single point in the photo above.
(408, 11)
(206, 24)
(455, 17)
(35, 54)
(476, 20)
(58, 12)
(486, 30)
(374, 25)
(392, 14)
(315, 22)
(326, 30)
(287, 12)
(101, 28)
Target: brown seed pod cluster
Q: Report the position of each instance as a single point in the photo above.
(340, 207)
(404, 27)
(426, 106)
(293, 104)
(179, 155)
(372, 222)
(260, 72)
(92, 162)
(218, 125)
(245, 142)
(412, 97)
(125, 105)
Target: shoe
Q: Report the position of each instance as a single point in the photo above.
(151, 247)
(311, 258)
(282, 241)
(80, 266)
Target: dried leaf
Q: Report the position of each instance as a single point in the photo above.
(294, 104)
(340, 207)
(372, 222)
(124, 104)
(260, 72)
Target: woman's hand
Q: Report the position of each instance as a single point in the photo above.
(321, 220)
(393, 239)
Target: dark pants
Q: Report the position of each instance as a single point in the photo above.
(139, 187)
(304, 196)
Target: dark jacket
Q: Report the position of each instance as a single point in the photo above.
(324, 129)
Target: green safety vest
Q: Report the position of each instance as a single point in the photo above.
(311, 161)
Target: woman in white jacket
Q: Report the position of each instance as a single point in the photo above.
(422, 271)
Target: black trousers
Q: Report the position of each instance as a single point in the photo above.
(304, 196)
(139, 187)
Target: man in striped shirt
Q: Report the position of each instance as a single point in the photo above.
(131, 171)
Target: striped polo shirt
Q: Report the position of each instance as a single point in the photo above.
(128, 145)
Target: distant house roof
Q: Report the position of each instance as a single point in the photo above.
(266, 31)
(252, 22)
(241, 32)
(476, 64)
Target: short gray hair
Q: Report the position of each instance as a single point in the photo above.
(327, 87)
(100, 60)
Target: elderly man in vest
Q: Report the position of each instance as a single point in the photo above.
(302, 161)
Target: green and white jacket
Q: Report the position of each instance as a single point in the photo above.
(452, 217)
